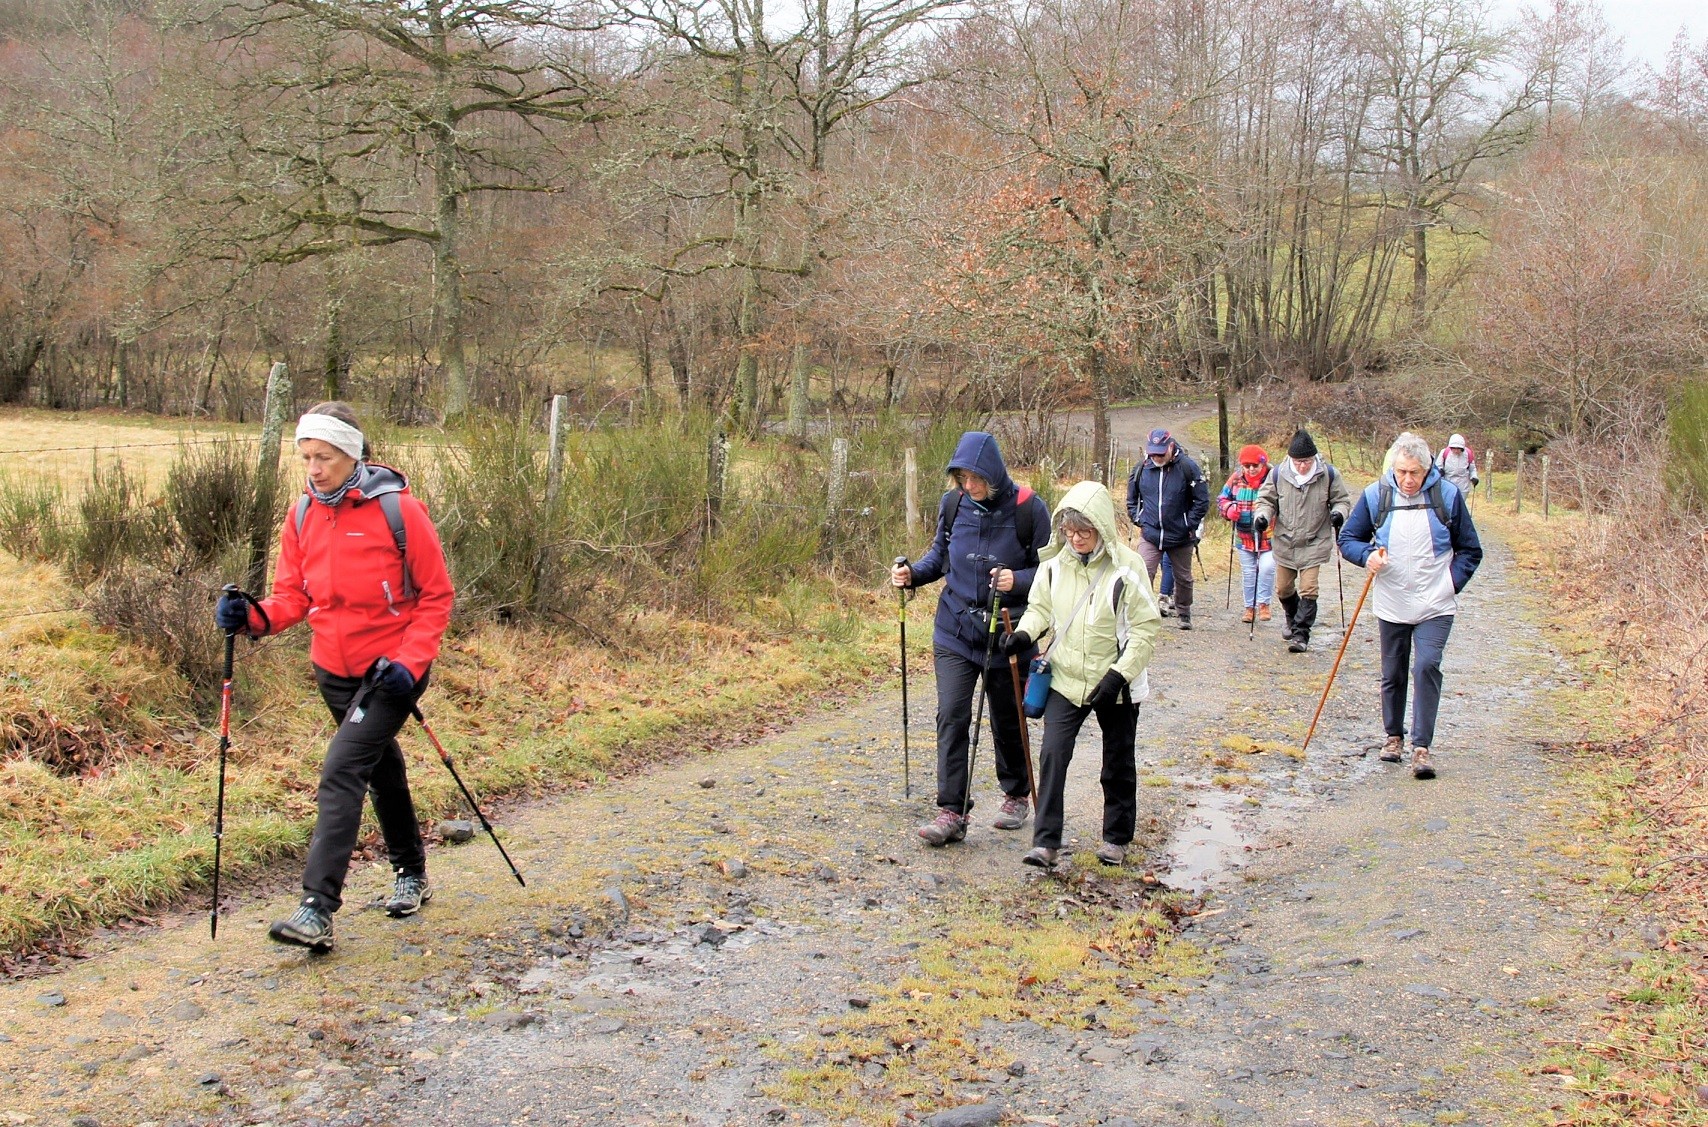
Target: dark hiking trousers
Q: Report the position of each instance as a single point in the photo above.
(1428, 638)
(1063, 719)
(956, 683)
(1180, 562)
(363, 758)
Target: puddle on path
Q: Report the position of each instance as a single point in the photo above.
(1207, 846)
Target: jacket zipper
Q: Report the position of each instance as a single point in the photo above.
(385, 585)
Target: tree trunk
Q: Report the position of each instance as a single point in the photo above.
(800, 392)
(1420, 272)
(1099, 408)
(447, 200)
(16, 363)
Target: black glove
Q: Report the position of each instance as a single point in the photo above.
(1262, 523)
(1108, 690)
(1015, 644)
(395, 680)
(231, 613)
(1336, 519)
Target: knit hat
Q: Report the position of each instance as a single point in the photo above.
(1253, 455)
(1302, 446)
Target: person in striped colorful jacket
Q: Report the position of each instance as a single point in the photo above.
(1238, 502)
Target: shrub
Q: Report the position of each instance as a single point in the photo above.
(209, 492)
(170, 612)
(115, 522)
(30, 524)
(1687, 438)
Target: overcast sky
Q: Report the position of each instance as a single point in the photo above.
(1648, 26)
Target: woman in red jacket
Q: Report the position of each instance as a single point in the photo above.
(358, 558)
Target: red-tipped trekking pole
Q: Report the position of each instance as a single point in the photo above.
(225, 746)
(445, 758)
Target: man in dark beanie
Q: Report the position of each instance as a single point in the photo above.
(1305, 502)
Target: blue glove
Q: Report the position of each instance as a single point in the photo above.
(395, 680)
(231, 614)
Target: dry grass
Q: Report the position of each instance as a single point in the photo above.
(1060, 956)
(1626, 591)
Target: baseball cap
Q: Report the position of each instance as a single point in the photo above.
(1158, 442)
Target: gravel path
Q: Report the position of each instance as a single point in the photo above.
(1382, 951)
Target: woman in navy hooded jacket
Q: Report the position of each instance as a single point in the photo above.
(977, 546)
(1413, 531)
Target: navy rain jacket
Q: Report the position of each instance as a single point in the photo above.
(1168, 502)
(983, 530)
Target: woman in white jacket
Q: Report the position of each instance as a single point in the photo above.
(1092, 591)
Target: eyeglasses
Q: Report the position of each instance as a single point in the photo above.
(1251, 465)
(1077, 533)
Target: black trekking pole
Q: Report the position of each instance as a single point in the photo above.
(1020, 712)
(901, 609)
(225, 746)
(1229, 601)
(445, 758)
(1340, 588)
(984, 677)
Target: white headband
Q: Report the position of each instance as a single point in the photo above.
(335, 431)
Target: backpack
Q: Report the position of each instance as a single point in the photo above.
(1024, 522)
(392, 507)
(1385, 503)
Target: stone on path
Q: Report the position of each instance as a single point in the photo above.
(972, 1115)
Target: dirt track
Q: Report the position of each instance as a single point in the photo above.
(1384, 951)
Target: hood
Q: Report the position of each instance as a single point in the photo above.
(1091, 498)
(377, 479)
(977, 452)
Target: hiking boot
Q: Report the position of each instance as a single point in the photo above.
(1185, 618)
(1111, 854)
(309, 926)
(1421, 767)
(1393, 749)
(946, 827)
(1040, 857)
(1248, 616)
(408, 893)
(1299, 642)
(1013, 813)
(1263, 612)
(1290, 604)
(1165, 604)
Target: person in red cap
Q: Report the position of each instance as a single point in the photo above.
(1167, 499)
(1238, 502)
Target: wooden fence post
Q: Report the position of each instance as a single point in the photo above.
(717, 460)
(1518, 485)
(261, 515)
(838, 485)
(910, 487)
(1545, 460)
(1489, 469)
(554, 486)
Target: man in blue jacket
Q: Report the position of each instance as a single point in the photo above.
(1167, 498)
(989, 534)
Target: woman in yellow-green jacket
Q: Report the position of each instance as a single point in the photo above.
(1091, 590)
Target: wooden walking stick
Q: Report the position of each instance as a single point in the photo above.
(1344, 638)
(1020, 711)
